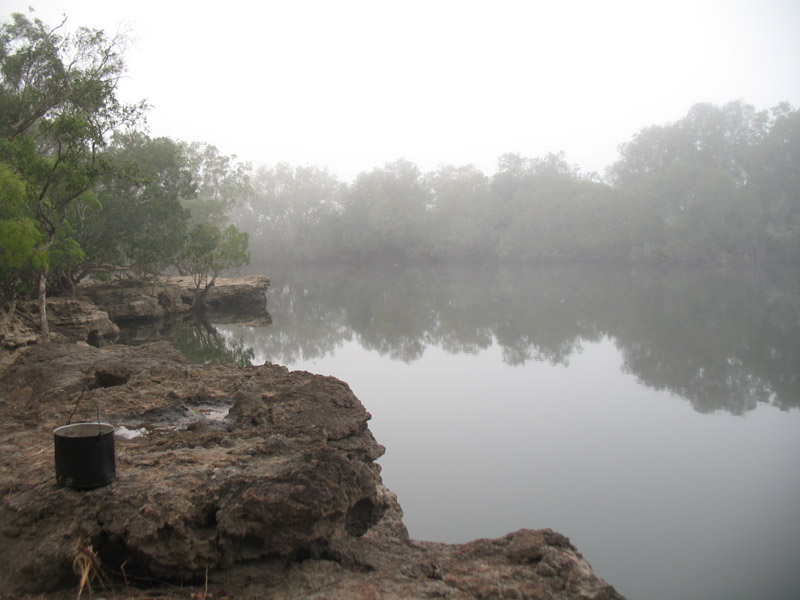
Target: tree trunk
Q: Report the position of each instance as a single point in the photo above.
(43, 307)
(8, 315)
(199, 302)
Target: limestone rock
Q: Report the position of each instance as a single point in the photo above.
(192, 491)
(247, 482)
(16, 334)
(233, 295)
(134, 300)
(69, 319)
(81, 321)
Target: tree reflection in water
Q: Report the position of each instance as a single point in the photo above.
(195, 338)
(726, 340)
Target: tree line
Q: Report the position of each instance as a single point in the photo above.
(86, 192)
(721, 185)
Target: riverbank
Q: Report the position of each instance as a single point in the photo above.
(232, 481)
(94, 311)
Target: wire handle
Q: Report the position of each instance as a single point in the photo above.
(96, 406)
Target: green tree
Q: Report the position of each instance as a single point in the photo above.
(19, 239)
(221, 183)
(208, 252)
(704, 188)
(138, 224)
(57, 104)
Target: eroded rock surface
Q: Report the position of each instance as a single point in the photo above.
(93, 313)
(254, 481)
(69, 320)
(134, 300)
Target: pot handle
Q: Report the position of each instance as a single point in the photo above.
(96, 406)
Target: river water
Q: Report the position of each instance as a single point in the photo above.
(651, 415)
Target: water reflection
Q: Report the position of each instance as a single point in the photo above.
(726, 341)
(195, 338)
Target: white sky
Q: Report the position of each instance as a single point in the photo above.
(351, 85)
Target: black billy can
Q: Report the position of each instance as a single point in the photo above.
(84, 455)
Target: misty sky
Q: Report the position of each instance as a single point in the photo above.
(351, 85)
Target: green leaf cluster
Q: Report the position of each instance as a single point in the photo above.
(209, 250)
(83, 192)
(57, 104)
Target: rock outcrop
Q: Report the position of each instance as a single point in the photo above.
(250, 482)
(93, 313)
(70, 320)
(81, 321)
(134, 299)
(131, 300)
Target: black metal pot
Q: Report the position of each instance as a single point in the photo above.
(84, 454)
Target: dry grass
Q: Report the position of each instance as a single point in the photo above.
(86, 567)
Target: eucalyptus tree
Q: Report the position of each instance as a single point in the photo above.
(138, 223)
(208, 252)
(58, 104)
(221, 183)
(148, 214)
(19, 239)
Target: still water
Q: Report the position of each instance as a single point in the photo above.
(650, 415)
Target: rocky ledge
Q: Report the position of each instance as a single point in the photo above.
(129, 300)
(94, 311)
(239, 482)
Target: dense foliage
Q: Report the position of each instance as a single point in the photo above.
(719, 185)
(84, 191)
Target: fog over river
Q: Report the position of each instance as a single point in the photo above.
(651, 415)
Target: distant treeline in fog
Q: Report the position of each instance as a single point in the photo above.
(720, 185)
